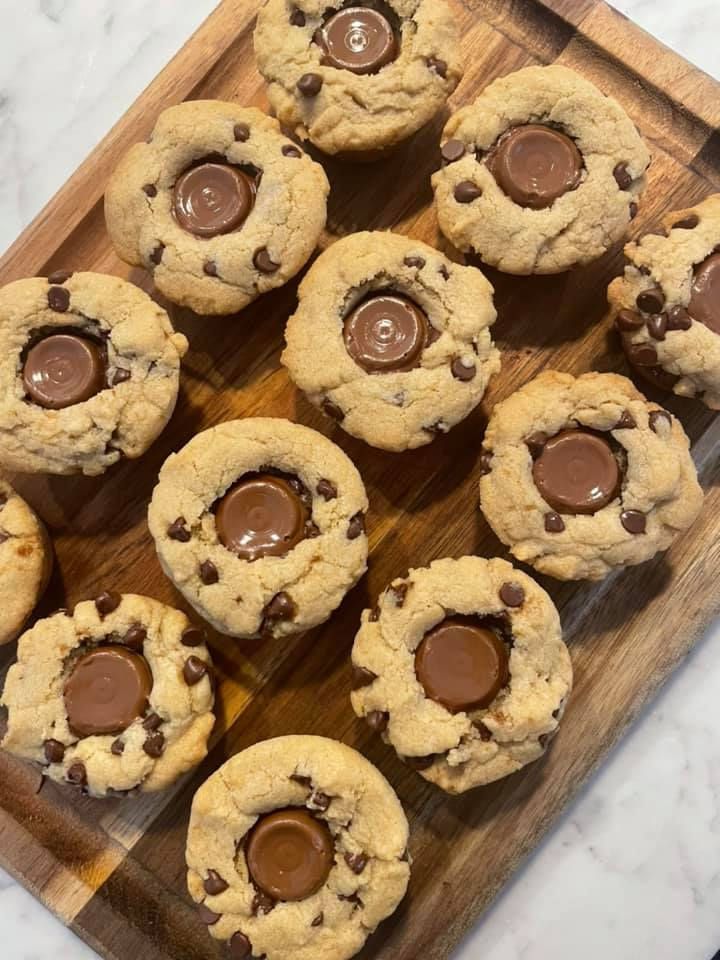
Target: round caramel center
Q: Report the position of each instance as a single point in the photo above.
(63, 369)
(535, 165)
(289, 854)
(386, 333)
(359, 39)
(705, 298)
(107, 689)
(261, 515)
(213, 198)
(577, 472)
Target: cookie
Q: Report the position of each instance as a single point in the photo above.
(296, 850)
(462, 668)
(580, 476)
(392, 339)
(667, 305)
(219, 206)
(357, 79)
(26, 561)
(89, 373)
(542, 172)
(260, 524)
(113, 697)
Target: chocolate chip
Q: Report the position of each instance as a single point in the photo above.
(281, 607)
(178, 531)
(58, 299)
(121, 375)
(651, 301)
(157, 254)
(362, 677)
(444, 273)
(263, 262)
(290, 150)
(310, 84)
(297, 18)
(462, 372)
(117, 748)
(194, 670)
(543, 739)
(240, 946)
(241, 132)
(207, 915)
(333, 410)
(318, 920)
(59, 276)
(466, 191)
(210, 268)
(642, 354)
(452, 150)
(535, 443)
(262, 904)
(209, 573)
(622, 176)
(214, 883)
(687, 223)
(154, 745)
(152, 721)
(417, 262)
(626, 421)
(628, 320)
(438, 66)
(485, 733)
(554, 523)
(678, 319)
(303, 781)
(150, 190)
(320, 801)
(512, 594)
(54, 751)
(356, 861)
(374, 615)
(192, 637)
(377, 720)
(657, 326)
(633, 210)
(420, 763)
(437, 428)
(351, 898)
(356, 526)
(135, 636)
(77, 774)
(327, 490)
(485, 462)
(633, 521)
(658, 418)
(399, 592)
(107, 601)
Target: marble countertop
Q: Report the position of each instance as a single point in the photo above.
(633, 868)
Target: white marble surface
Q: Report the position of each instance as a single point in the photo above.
(633, 869)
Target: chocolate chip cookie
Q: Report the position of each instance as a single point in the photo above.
(260, 523)
(357, 79)
(113, 697)
(26, 560)
(296, 850)
(219, 206)
(542, 172)
(462, 669)
(89, 370)
(667, 306)
(392, 339)
(580, 476)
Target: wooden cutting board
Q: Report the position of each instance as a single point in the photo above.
(114, 870)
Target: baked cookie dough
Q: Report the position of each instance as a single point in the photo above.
(580, 476)
(260, 524)
(357, 79)
(113, 697)
(296, 850)
(667, 305)
(89, 373)
(219, 206)
(462, 668)
(392, 339)
(26, 560)
(542, 172)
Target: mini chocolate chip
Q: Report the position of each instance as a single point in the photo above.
(657, 326)
(626, 421)
(333, 410)
(157, 254)
(327, 490)
(536, 443)
(214, 883)
(262, 904)
(633, 521)
(297, 18)
(290, 150)
(281, 607)
(152, 721)
(512, 594)
(117, 748)
(436, 428)
(420, 763)
(466, 191)
(658, 417)
(54, 751)
(356, 861)
(678, 319)
(192, 637)
(356, 526)
(452, 150)
(445, 274)
(628, 320)
(687, 223)
(633, 210)
(194, 670)
(399, 592)
(554, 523)
(58, 299)
(77, 774)
(651, 301)
(374, 615)
(642, 354)
(135, 636)
(320, 800)
(377, 720)
(210, 268)
(107, 601)
(241, 132)
(438, 66)
(178, 531)
(209, 573)
(263, 262)
(154, 745)
(462, 372)
(543, 739)
(556, 713)
(485, 462)
(240, 946)
(303, 781)
(417, 262)
(150, 190)
(121, 375)
(351, 898)
(310, 84)
(485, 733)
(207, 915)
(318, 920)
(362, 677)
(59, 276)
(622, 176)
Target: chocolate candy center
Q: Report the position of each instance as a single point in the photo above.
(386, 333)
(261, 515)
(107, 689)
(705, 298)
(577, 472)
(462, 664)
(63, 369)
(289, 854)
(535, 165)
(213, 198)
(359, 39)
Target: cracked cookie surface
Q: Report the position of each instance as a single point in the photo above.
(590, 214)
(667, 305)
(453, 747)
(403, 405)
(165, 731)
(366, 875)
(652, 494)
(216, 273)
(317, 509)
(135, 363)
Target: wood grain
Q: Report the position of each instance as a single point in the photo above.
(115, 870)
